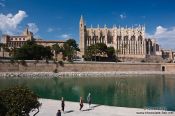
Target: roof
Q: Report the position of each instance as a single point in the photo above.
(50, 41)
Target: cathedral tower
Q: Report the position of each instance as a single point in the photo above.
(82, 36)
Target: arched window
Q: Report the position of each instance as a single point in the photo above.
(133, 38)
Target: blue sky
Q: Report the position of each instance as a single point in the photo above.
(59, 19)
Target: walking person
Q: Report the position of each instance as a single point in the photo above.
(81, 103)
(89, 100)
(62, 104)
(58, 113)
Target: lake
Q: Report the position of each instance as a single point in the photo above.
(139, 91)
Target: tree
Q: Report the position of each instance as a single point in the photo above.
(4, 48)
(70, 47)
(57, 49)
(100, 50)
(32, 51)
(90, 52)
(18, 101)
(110, 52)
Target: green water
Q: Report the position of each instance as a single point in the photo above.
(135, 91)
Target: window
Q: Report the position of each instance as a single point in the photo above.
(110, 39)
(23, 38)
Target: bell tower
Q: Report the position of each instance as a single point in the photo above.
(82, 36)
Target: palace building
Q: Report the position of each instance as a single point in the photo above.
(17, 41)
(128, 42)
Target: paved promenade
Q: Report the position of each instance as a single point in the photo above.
(80, 74)
(50, 107)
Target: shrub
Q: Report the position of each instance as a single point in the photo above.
(55, 70)
(47, 61)
(23, 62)
(18, 101)
(143, 60)
(36, 61)
(61, 63)
(12, 61)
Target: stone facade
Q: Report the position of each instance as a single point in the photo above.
(127, 42)
(18, 41)
(88, 67)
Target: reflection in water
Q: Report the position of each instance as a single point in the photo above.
(135, 91)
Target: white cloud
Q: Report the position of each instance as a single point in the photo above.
(65, 36)
(50, 29)
(123, 16)
(9, 22)
(33, 28)
(165, 36)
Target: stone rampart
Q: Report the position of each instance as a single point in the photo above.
(85, 67)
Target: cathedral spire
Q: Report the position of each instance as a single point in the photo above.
(81, 18)
(82, 22)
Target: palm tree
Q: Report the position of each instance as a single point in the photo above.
(2, 47)
(57, 49)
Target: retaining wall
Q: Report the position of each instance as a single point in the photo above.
(85, 67)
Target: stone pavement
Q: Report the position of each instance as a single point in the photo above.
(50, 107)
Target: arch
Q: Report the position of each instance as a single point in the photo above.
(125, 38)
(119, 38)
(139, 38)
(133, 38)
(163, 68)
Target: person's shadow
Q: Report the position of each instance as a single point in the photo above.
(69, 111)
(96, 106)
(92, 108)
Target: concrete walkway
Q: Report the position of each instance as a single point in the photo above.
(50, 107)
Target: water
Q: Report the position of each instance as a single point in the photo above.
(133, 91)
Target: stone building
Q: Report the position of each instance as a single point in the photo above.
(128, 42)
(168, 54)
(17, 41)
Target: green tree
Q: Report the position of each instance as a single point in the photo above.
(57, 49)
(110, 51)
(4, 48)
(32, 51)
(90, 52)
(100, 50)
(18, 101)
(70, 47)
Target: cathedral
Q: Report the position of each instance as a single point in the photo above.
(129, 43)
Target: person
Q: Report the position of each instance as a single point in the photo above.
(81, 103)
(89, 100)
(58, 113)
(62, 104)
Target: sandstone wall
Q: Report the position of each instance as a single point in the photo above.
(84, 67)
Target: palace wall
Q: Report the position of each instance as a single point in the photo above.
(85, 67)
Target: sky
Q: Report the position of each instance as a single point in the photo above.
(59, 19)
